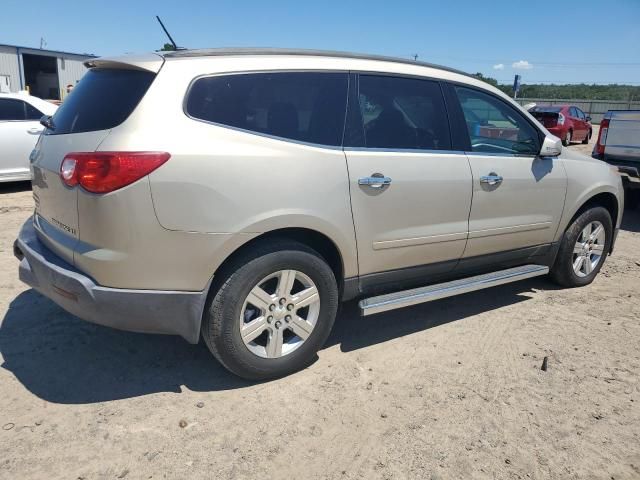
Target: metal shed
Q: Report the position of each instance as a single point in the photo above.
(45, 73)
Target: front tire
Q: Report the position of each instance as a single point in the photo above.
(272, 312)
(567, 138)
(583, 248)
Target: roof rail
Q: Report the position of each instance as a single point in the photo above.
(213, 52)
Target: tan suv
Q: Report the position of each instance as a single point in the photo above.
(240, 195)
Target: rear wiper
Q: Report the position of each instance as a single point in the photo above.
(47, 121)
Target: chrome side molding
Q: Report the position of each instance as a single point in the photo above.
(406, 298)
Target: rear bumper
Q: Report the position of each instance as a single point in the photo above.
(146, 311)
(629, 171)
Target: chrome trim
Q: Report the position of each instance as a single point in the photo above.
(491, 179)
(375, 181)
(391, 301)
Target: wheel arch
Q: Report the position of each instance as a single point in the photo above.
(317, 241)
(603, 198)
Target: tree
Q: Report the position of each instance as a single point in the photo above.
(489, 80)
(167, 48)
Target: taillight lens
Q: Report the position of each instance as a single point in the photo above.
(602, 136)
(104, 172)
(560, 119)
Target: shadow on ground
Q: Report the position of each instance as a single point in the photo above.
(62, 359)
(14, 187)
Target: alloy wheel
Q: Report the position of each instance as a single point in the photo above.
(279, 314)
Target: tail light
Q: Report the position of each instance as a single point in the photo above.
(560, 119)
(104, 172)
(602, 136)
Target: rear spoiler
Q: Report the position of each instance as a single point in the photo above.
(149, 62)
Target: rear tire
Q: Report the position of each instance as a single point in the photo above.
(587, 138)
(251, 325)
(583, 248)
(567, 138)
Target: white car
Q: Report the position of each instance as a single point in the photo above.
(19, 131)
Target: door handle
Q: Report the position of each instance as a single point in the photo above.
(491, 179)
(376, 180)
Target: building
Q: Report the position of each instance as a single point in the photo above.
(45, 73)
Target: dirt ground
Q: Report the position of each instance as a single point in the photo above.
(447, 390)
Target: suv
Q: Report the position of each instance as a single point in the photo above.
(564, 121)
(241, 195)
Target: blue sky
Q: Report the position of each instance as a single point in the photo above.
(549, 41)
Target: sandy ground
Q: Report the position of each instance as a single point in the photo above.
(447, 390)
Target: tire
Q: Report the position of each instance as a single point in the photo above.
(587, 138)
(563, 271)
(567, 138)
(258, 359)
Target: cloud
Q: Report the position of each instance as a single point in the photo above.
(522, 65)
(499, 66)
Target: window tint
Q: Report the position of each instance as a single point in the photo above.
(303, 106)
(103, 99)
(573, 112)
(581, 114)
(403, 113)
(11, 109)
(32, 112)
(494, 126)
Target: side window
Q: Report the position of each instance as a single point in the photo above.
(403, 113)
(304, 106)
(32, 112)
(581, 114)
(496, 127)
(573, 112)
(11, 109)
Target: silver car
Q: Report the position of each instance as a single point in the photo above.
(241, 195)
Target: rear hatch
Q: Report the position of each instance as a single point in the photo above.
(547, 116)
(104, 98)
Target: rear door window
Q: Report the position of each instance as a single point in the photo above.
(303, 106)
(11, 109)
(496, 127)
(403, 113)
(103, 99)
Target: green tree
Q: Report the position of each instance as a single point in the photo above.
(168, 47)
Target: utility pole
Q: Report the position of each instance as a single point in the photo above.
(42, 43)
(415, 57)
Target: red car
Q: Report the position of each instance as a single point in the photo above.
(566, 122)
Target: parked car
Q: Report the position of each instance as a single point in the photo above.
(619, 144)
(241, 195)
(19, 130)
(564, 121)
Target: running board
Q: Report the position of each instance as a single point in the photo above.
(406, 298)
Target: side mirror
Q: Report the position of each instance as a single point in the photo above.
(588, 119)
(551, 147)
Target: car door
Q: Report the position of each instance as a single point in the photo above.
(518, 196)
(410, 192)
(19, 131)
(578, 127)
(584, 125)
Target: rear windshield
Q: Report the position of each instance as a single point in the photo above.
(545, 110)
(103, 99)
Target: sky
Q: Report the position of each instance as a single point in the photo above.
(571, 41)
